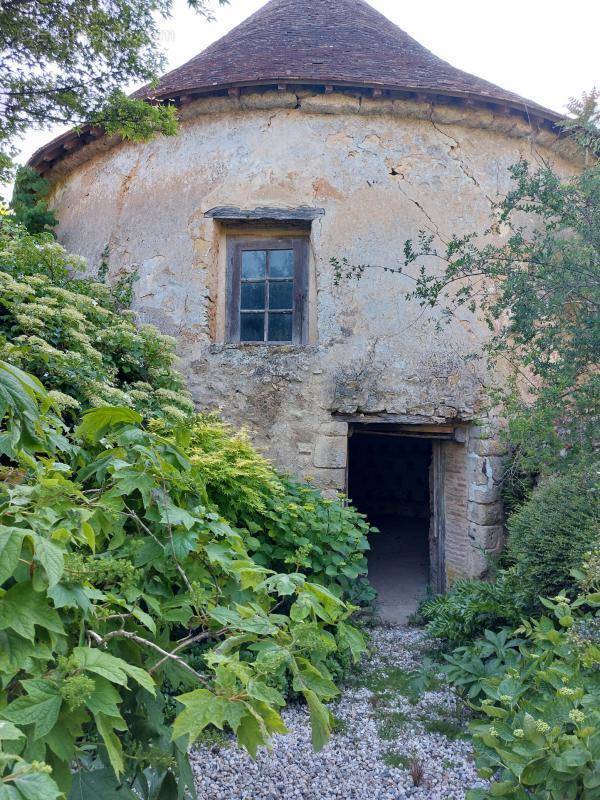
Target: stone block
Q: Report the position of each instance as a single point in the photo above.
(330, 104)
(330, 452)
(485, 431)
(460, 435)
(333, 479)
(334, 428)
(488, 447)
(210, 105)
(376, 105)
(448, 115)
(489, 537)
(268, 100)
(411, 108)
(488, 493)
(493, 467)
(479, 118)
(484, 513)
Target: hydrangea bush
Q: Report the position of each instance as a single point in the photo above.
(536, 693)
(71, 332)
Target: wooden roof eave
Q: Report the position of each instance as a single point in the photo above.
(59, 148)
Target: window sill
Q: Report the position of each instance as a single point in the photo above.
(261, 347)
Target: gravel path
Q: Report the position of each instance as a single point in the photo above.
(383, 740)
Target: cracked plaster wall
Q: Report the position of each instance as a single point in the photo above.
(382, 173)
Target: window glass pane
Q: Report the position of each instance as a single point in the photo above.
(281, 263)
(280, 327)
(254, 264)
(252, 327)
(281, 294)
(253, 295)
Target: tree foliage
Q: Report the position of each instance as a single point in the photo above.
(29, 204)
(292, 525)
(550, 534)
(64, 63)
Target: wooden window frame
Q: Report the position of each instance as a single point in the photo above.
(235, 247)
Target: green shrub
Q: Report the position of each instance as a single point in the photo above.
(291, 525)
(132, 616)
(470, 607)
(71, 333)
(536, 691)
(550, 533)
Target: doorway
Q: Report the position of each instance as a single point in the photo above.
(390, 480)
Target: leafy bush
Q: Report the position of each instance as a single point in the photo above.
(538, 691)
(291, 525)
(469, 608)
(70, 332)
(550, 533)
(132, 615)
(29, 204)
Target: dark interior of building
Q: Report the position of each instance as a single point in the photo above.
(388, 480)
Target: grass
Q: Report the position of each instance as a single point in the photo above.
(446, 727)
(397, 760)
(339, 726)
(390, 681)
(391, 724)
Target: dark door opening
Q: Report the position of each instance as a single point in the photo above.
(389, 480)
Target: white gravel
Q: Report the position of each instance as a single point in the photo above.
(352, 766)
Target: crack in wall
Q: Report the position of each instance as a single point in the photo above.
(422, 210)
(453, 152)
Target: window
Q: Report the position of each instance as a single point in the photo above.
(268, 290)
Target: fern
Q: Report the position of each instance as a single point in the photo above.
(469, 608)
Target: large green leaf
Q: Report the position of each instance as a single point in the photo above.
(11, 541)
(251, 733)
(39, 707)
(98, 421)
(15, 652)
(114, 669)
(22, 608)
(320, 720)
(19, 391)
(203, 708)
(105, 699)
(29, 785)
(9, 731)
(50, 557)
(535, 772)
(111, 741)
(350, 638)
(309, 677)
(99, 784)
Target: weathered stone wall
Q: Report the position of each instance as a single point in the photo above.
(383, 171)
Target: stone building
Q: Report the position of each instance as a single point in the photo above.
(319, 129)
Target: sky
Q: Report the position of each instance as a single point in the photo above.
(544, 50)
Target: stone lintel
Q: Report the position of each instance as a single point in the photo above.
(265, 214)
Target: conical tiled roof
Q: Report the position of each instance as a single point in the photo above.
(343, 42)
(320, 43)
